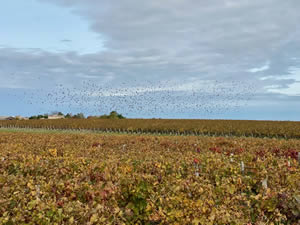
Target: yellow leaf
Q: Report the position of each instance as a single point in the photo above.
(30, 186)
(210, 202)
(196, 221)
(53, 152)
(99, 207)
(94, 218)
(117, 209)
(71, 220)
(239, 181)
(201, 190)
(231, 189)
(148, 208)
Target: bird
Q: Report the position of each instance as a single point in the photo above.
(146, 98)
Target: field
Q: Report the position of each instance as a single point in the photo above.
(277, 129)
(78, 178)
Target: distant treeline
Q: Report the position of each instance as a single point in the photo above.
(112, 115)
(60, 115)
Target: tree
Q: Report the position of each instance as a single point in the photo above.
(79, 116)
(113, 115)
(103, 116)
(69, 115)
(120, 116)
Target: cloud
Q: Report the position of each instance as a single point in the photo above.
(260, 69)
(66, 40)
(216, 39)
(175, 40)
(292, 87)
(38, 68)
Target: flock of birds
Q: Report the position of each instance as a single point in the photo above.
(146, 99)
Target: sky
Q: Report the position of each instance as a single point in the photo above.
(217, 59)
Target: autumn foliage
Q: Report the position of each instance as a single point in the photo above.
(60, 178)
(277, 129)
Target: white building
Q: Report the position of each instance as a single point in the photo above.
(55, 117)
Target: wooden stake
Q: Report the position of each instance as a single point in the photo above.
(242, 166)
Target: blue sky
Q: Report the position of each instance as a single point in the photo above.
(173, 59)
(33, 24)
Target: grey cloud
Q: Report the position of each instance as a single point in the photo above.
(177, 39)
(203, 37)
(66, 40)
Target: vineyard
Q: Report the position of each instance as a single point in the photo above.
(277, 129)
(54, 178)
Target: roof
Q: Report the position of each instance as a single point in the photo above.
(56, 117)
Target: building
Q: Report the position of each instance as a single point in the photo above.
(13, 118)
(21, 118)
(56, 117)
